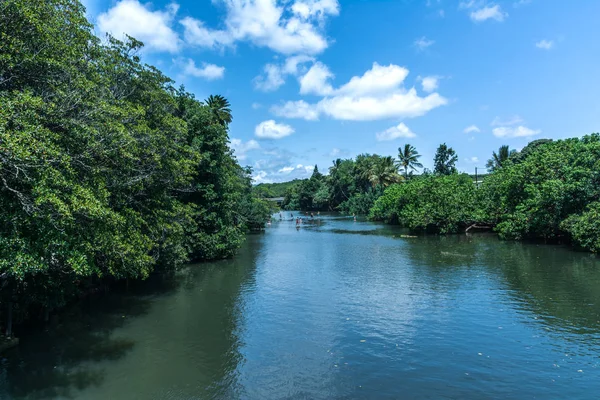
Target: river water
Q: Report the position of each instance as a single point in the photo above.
(335, 309)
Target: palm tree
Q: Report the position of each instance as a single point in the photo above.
(384, 172)
(408, 159)
(219, 107)
(498, 159)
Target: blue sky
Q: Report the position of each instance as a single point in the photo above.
(313, 80)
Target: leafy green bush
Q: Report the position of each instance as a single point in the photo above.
(584, 228)
(434, 203)
(533, 194)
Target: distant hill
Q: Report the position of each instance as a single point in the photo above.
(267, 190)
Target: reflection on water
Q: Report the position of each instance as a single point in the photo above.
(334, 309)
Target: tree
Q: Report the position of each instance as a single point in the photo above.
(500, 158)
(220, 109)
(107, 172)
(444, 160)
(408, 158)
(384, 172)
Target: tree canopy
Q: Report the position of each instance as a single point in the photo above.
(106, 170)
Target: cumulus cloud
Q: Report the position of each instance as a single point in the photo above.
(287, 28)
(511, 127)
(377, 94)
(240, 148)
(514, 131)
(430, 83)
(274, 75)
(271, 79)
(297, 109)
(471, 129)
(480, 11)
(395, 132)
(544, 44)
(207, 71)
(315, 80)
(490, 12)
(151, 27)
(260, 177)
(472, 160)
(280, 165)
(422, 43)
(272, 130)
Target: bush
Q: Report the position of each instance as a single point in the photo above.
(584, 228)
(435, 203)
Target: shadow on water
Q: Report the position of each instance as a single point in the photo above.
(62, 359)
(75, 355)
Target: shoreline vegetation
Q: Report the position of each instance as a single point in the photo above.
(107, 172)
(549, 191)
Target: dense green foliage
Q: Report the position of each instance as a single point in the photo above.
(352, 186)
(548, 193)
(430, 203)
(271, 190)
(500, 158)
(550, 190)
(106, 170)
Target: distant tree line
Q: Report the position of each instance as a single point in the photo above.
(549, 190)
(107, 171)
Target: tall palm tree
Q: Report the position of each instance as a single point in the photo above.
(384, 172)
(499, 159)
(219, 107)
(408, 158)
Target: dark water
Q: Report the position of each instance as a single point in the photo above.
(334, 310)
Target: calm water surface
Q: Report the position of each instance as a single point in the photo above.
(334, 310)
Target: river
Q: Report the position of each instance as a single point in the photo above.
(335, 309)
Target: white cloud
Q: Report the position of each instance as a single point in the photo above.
(319, 9)
(335, 152)
(315, 80)
(430, 83)
(287, 28)
(151, 27)
(260, 177)
(240, 148)
(488, 12)
(256, 106)
(271, 80)
(472, 160)
(395, 132)
(207, 71)
(378, 79)
(274, 75)
(472, 128)
(297, 109)
(545, 44)
(377, 94)
(514, 120)
(272, 130)
(422, 43)
(286, 170)
(514, 132)
(395, 105)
